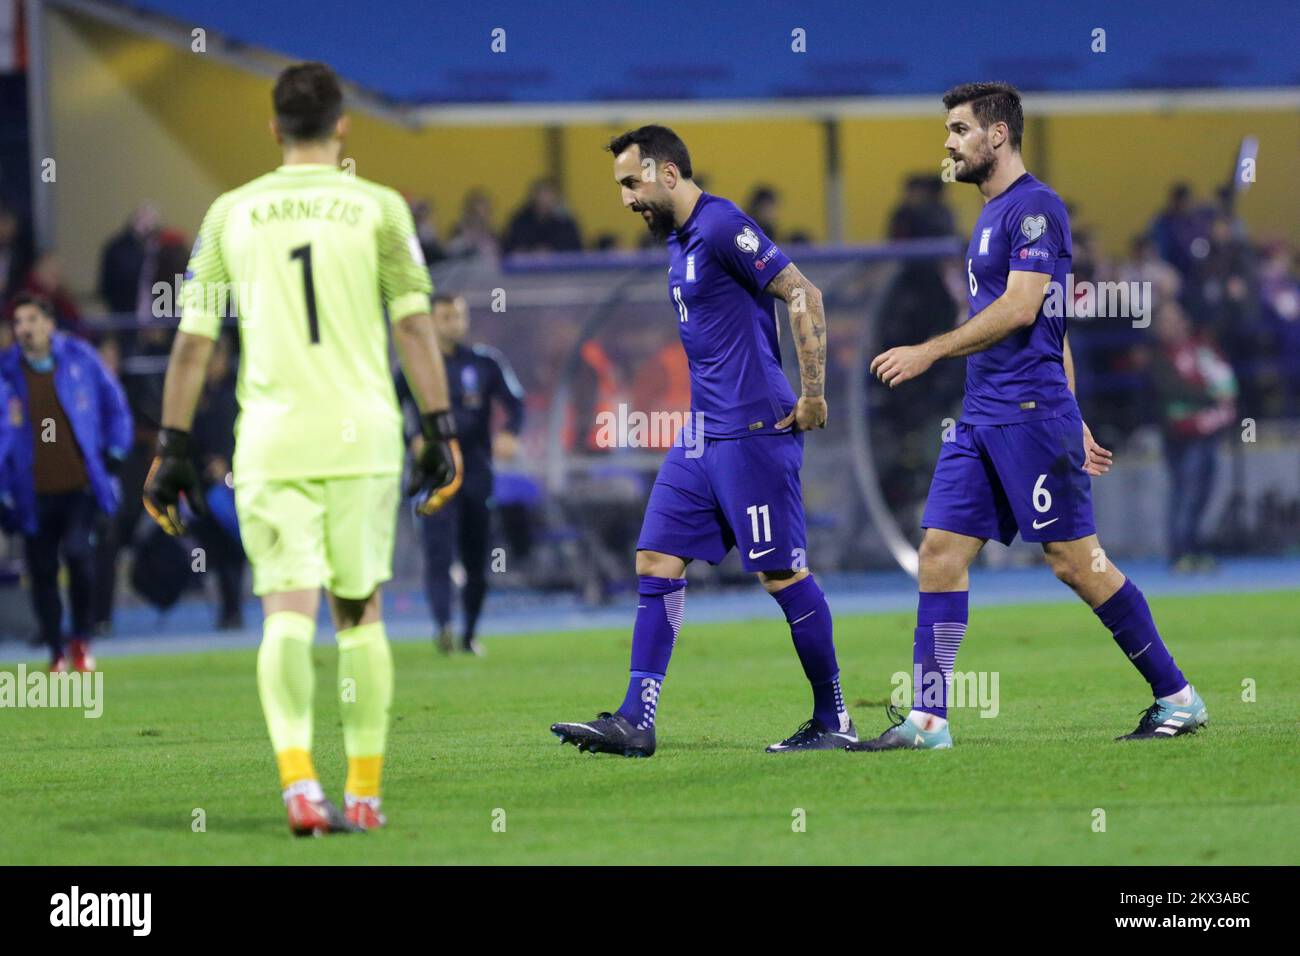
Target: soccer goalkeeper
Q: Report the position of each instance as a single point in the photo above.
(311, 251)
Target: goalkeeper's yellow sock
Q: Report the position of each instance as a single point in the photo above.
(285, 682)
(363, 777)
(365, 696)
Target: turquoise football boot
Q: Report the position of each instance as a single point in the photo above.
(905, 735)
(1166, 719)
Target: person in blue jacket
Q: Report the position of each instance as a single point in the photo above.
(70, 429)
(7, 432)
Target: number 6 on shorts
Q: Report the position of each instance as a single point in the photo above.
(1042, 497)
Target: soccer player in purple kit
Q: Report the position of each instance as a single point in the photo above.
(1021, 456)
(739, 486)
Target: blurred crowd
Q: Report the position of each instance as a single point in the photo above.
(544, 224)
(1224, 337)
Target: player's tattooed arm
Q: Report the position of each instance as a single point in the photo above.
(808, 325)
(1015, 309)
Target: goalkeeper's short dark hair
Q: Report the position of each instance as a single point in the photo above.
(991, 103)
(308, 102)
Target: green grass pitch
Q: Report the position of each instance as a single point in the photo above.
(470, 738)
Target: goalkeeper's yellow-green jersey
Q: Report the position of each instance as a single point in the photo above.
(313, 255)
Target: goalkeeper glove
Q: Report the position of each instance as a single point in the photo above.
(438, 469)
(172, 475)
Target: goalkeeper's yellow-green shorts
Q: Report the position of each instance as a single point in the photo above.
(335, 533)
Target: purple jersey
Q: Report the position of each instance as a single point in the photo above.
(719, 264)
(1021, 378)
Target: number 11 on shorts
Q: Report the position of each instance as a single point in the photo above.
(754, 511)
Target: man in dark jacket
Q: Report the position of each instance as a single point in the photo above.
(71, 428)
(477, 376)
(128, 263)
(212, 449)
(543, 224)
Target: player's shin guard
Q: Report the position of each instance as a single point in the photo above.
(940, 626)
(658, 619)
(365, 696)
(285, 682)
(812, 631)
(1128, 617)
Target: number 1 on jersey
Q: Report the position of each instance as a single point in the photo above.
(303, 255)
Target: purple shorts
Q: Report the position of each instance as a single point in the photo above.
(993, 480)
(741, 492)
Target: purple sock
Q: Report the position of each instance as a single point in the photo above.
(1128, 617)
(658, 619)
(940, 626)
(811, 629)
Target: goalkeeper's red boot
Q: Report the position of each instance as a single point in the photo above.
(82, 659)
(364, 813)
(308, 817)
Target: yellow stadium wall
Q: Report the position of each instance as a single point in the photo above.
(135, 118)
(876, 156)
(1118, 169)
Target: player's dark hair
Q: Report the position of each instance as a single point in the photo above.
(991, 103)
(445, 298)
(41, 304)
(308, 102)
(659, 143)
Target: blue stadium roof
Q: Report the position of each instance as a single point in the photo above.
(412, 52)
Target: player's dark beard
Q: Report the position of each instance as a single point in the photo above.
(979, 168)
(661, 222)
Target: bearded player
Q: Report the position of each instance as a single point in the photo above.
(742, 488)
(1022, 456)
(315, 255)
